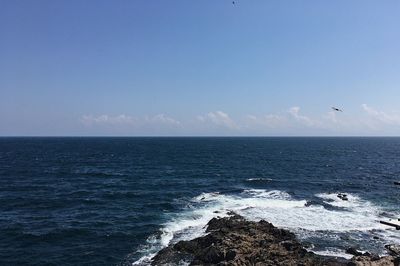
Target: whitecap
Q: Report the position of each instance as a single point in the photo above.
(281, 209)
(259, 179)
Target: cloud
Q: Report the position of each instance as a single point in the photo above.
(163, 119)
(302, 119)
(331, 117)
(268, 120)
(90, 120)
(126, 120)
(219, 118)
(289, 122)
(389, 119)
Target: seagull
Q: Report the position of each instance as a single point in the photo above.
(337, 109)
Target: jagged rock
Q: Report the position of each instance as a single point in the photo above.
(373, 261)
(342, 196)
(170, 256)
(230, 255)
(235, 241)
(211, 255)
(393, 249)
(353, 251)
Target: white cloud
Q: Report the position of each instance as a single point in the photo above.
(390, 119)
(305, 120)
(219, 118)
(268, 120)
(331, 116)
(126, 120)
(163, 119)
(90, 120)
(291, 122)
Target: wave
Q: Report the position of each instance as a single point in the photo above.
(355, 218)
(332, 252)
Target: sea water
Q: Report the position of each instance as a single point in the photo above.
(109, 201)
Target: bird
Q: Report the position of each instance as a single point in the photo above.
(337, 109)
(233, 2)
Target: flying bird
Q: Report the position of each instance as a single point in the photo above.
(337, 109)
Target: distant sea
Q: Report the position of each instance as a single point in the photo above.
(117, 201)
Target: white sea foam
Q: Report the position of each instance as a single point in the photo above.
(351, 202)
(281, 209)
(334, 253)
(259, 179)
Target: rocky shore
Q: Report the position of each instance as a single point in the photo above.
(235, 241)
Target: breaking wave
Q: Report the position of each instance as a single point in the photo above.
(330, 230)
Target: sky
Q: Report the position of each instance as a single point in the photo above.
(199, 68)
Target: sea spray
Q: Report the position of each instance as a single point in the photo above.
(350, 222)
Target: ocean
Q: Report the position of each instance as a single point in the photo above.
(117, 201)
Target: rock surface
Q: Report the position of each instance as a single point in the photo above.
(236, 241)
(374, 261)
(393, 249)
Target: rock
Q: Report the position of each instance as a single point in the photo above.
(170, 256)
(393, 249)
(373, 261)
(186, 246)
(235, 241)
(230, 255)
(342, 196)
(311, 202)
(210, 255)
(353, 251)
(372, 256)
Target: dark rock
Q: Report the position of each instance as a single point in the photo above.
(230, 255)
(290, 245)
(169, 255)
(186, 246)
(353, 251)
(210, 255)
(311, 202)
(235, 241)
(342, 196)
(373, 257)
(393, 249)
(373, 261)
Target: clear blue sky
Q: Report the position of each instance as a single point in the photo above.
(201, 67)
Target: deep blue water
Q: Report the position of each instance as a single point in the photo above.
(108, 201)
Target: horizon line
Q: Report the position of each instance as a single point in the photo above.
(200, 136)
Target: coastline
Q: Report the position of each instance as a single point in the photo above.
(233, 240)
